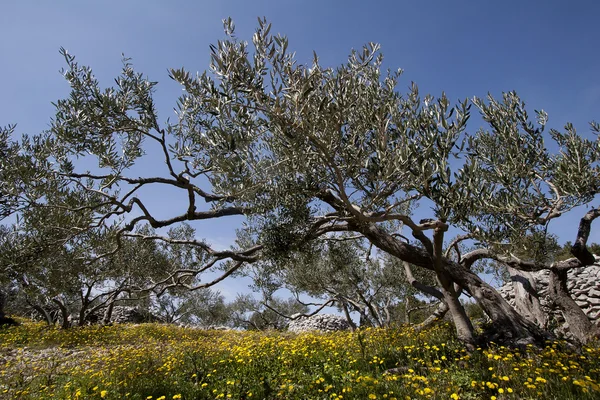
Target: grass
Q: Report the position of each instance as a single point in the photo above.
(153, 361)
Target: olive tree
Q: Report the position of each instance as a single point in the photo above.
(344, 272)
(204, 307)
(273, 312)
(58, 283)
(307, 152)
(344, 151)
(75, 181)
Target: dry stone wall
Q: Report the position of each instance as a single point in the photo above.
(583, 284)
(122, 315)
(132, 315)
(319, 322)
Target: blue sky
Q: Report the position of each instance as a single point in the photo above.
(545, 50)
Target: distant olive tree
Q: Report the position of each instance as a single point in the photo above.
(58, 284)
(76, 220)
(204, 307)
(263, 314)
(344, 272)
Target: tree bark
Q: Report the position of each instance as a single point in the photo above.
(85, 305)
(511, 325)
(436, 316)
(364, 321)
(462, 323)
(47, 317)
(40, 310)
(508, 322)
(430, 290)
(579, 324)
(108, 312)
(82, 316)
(64, 314)
(527, 301)
(348, 317)
(464, 328)
(375, 319)
(2, 305)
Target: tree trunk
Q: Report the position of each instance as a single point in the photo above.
(527, 301)
(2, 305)
(464, 328)
(83, 314)
(64, 314)
(43, 313)
(348, 317)
(364, 321)
(508, 322)
(375, 318)
(579, 324)
(436, 316)
(108, 313)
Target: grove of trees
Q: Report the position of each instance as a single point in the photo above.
(327, 165)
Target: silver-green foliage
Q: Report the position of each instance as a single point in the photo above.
(277, 132)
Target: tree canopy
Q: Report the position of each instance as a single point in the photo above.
(307, 153)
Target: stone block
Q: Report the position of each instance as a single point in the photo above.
(594, 301)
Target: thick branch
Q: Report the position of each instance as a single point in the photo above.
(230, 271)
(248, 255)
(579, 248)
(430, 290)
(392, 245)
(187, 216)
(299, 315)
(512, 261)
(454, 245)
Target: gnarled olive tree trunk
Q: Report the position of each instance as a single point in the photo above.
(2, 305)
(512, 325)
(107, 316)
(579, 324)
(508, 321)
(64, 312)
(462, 323)
(436, 316)
(527, 301)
